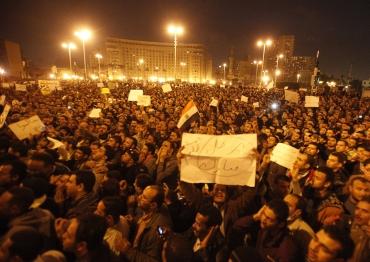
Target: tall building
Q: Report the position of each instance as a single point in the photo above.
(155, 60)
(11, 58)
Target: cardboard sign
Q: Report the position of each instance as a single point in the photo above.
(365, 93)
(56, 142)
(28, 127)
(143, 100)
(244, 99)
(284, 155)
(311, 101)
(227, 160)
(5, 85)
(48, 86)
(166, 88)
(256, 104)
(105, 90)
(101, 85)
(132, 96)
(291, 96)
(4, 114)
(214, 102)
(19, 87)
(95, 113)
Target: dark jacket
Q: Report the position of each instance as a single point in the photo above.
(85, 204)
(150, 244)
(271, 244)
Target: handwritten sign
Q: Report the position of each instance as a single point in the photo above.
(284, 155)
(244, 99)
(143, 100)
(227, 160)
(19, 87)
(291, 96)
(214, 102)
(2, 100)
(311, 101)
(166, 88)
(101, 85)
(256, 104)
(4, 114)
(27, 127)
(56, 143)
(132, 96)
(95, 113)
(365, 93)
(5, 85)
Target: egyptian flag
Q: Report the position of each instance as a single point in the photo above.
(188, 114)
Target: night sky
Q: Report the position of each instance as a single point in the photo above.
(339, 28)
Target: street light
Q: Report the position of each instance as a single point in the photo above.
(298, 77)
(263, 44)
(99, 57)
(224, 65)
(257, 63)
(84, 35)
(175, 30)
(2, 73)
(69, 46)
(277, 72)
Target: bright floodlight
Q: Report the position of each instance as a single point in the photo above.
(83, 34)
(141, 61)
(69, 45)
(281, 56)
(2, 71)
(259, 43)
(98, 56)
(268, 42)
(175, 29)
(277, 72)
(224, 64)
(274, 106)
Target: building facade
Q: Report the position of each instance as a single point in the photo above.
(11, 59)
(125, 58)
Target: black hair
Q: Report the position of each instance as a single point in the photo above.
(212, 213)
(282, 177)
(22, 197)
(38, 185)
(151, 148)
(143, 180)
(280, 209)
(113, 207)
(159, 196)
(27, 244)
(91, 230)
(340, 156)
(87, 178)
(46, 158)
(328, 172)
(342, 236)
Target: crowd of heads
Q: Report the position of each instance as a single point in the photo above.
(112, 189)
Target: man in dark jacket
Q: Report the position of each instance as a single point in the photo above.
(269, 231)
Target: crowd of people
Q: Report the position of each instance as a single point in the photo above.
(113, 190)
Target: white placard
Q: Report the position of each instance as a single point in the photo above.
(2, 100)
(256, 104)
(5, 85)
(303, 89)
(166, 88)
(95, 113)
(311, 101)
(56, 142)
(19, 87)
(143, 100)
(4, 114)
(291, 96)
(244, 99)
(214, 102)
(100, 85)
(28, 127)
(132, 96)
(284, 155)
(227, 160)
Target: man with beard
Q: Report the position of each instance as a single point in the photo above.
(360, 220)
(269, 232)
(357, 188)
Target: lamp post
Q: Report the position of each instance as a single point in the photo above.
(298, 77)
(175, 30)
(263, 44)
(99, 57)
(277, 71)
(69, 46)
(141, 63)
(224, 65)
(84, 35)
(257, 63)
